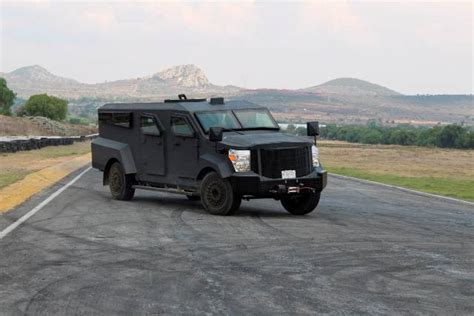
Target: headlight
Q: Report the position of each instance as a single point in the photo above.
(240, 159)
(315, 154)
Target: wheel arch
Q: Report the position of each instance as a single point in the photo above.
(217, 164)
(110, 162)
(204, 172)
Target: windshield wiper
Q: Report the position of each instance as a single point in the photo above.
(262, 127)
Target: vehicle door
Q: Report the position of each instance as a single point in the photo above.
(152, 147)
(183, 148)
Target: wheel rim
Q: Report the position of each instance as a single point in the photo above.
(215, 194)
(116, 182)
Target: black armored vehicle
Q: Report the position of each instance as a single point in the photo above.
(216, 151)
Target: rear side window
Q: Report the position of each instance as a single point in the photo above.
(148, 125)
(122, 119)
(179, 126)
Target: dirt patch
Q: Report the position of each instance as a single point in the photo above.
(40, 126)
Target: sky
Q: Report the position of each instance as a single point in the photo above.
(411, 47)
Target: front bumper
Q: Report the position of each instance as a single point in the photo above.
(251, 183)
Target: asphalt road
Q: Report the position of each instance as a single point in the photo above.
(368, 249)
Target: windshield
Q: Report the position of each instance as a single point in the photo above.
(224, 119)
(255, 119)
(238, 119)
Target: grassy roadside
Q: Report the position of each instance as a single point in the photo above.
(432, 170)
(16, 166)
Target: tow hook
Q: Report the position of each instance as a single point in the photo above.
(279, 189)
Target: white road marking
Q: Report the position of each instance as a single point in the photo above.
(25, 217)
(403, 189)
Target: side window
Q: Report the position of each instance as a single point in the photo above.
(148, 125)
(117, 119)
(180, 127)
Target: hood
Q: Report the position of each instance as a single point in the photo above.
(249, 139)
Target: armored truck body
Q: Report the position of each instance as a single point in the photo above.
(216, 151)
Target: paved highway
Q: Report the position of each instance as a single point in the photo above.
(368, 249)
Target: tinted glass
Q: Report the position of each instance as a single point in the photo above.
(118, 119)
(148, 125)
(224, 119)
(179, 126)
(255, 119)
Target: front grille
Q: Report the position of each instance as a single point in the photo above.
(273, 161)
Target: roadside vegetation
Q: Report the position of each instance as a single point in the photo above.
(448, 136)
(44, 105)
(41, 126)
(15, 166)
(47, 106)
(448, 172)
(7, 98)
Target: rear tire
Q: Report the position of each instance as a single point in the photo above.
(217, 195)
(301, 204)
(120, 184)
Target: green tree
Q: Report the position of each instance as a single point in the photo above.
(403, 137)
(7, 97)
(301, 131)
(291, 128)
(372, 124)
(372, 136)
(428, 136)
(451, 136)
(47, 106)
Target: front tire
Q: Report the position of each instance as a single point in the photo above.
(217, 195)
(301, 204)
(120, 184)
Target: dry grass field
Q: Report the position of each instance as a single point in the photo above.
(15, 166)
(441, 171)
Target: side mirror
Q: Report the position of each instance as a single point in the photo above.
(215, 134)
(312, 128)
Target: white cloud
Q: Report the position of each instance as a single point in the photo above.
(411, 47)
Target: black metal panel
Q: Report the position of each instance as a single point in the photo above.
(273, 161)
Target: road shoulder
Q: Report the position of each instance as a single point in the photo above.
(426, 194)
(18, 192)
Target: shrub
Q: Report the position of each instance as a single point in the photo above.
(449, 136)
(7, 97)
(47, 106)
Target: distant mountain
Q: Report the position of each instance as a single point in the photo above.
(184, 75)
(343, 100)
(38, 74)
(188, 79)
(351, 87)
(35, 79)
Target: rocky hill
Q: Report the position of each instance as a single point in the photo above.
(189, 79)
(343, 100)
(351, 86)
(37, 75)
(184, 75)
